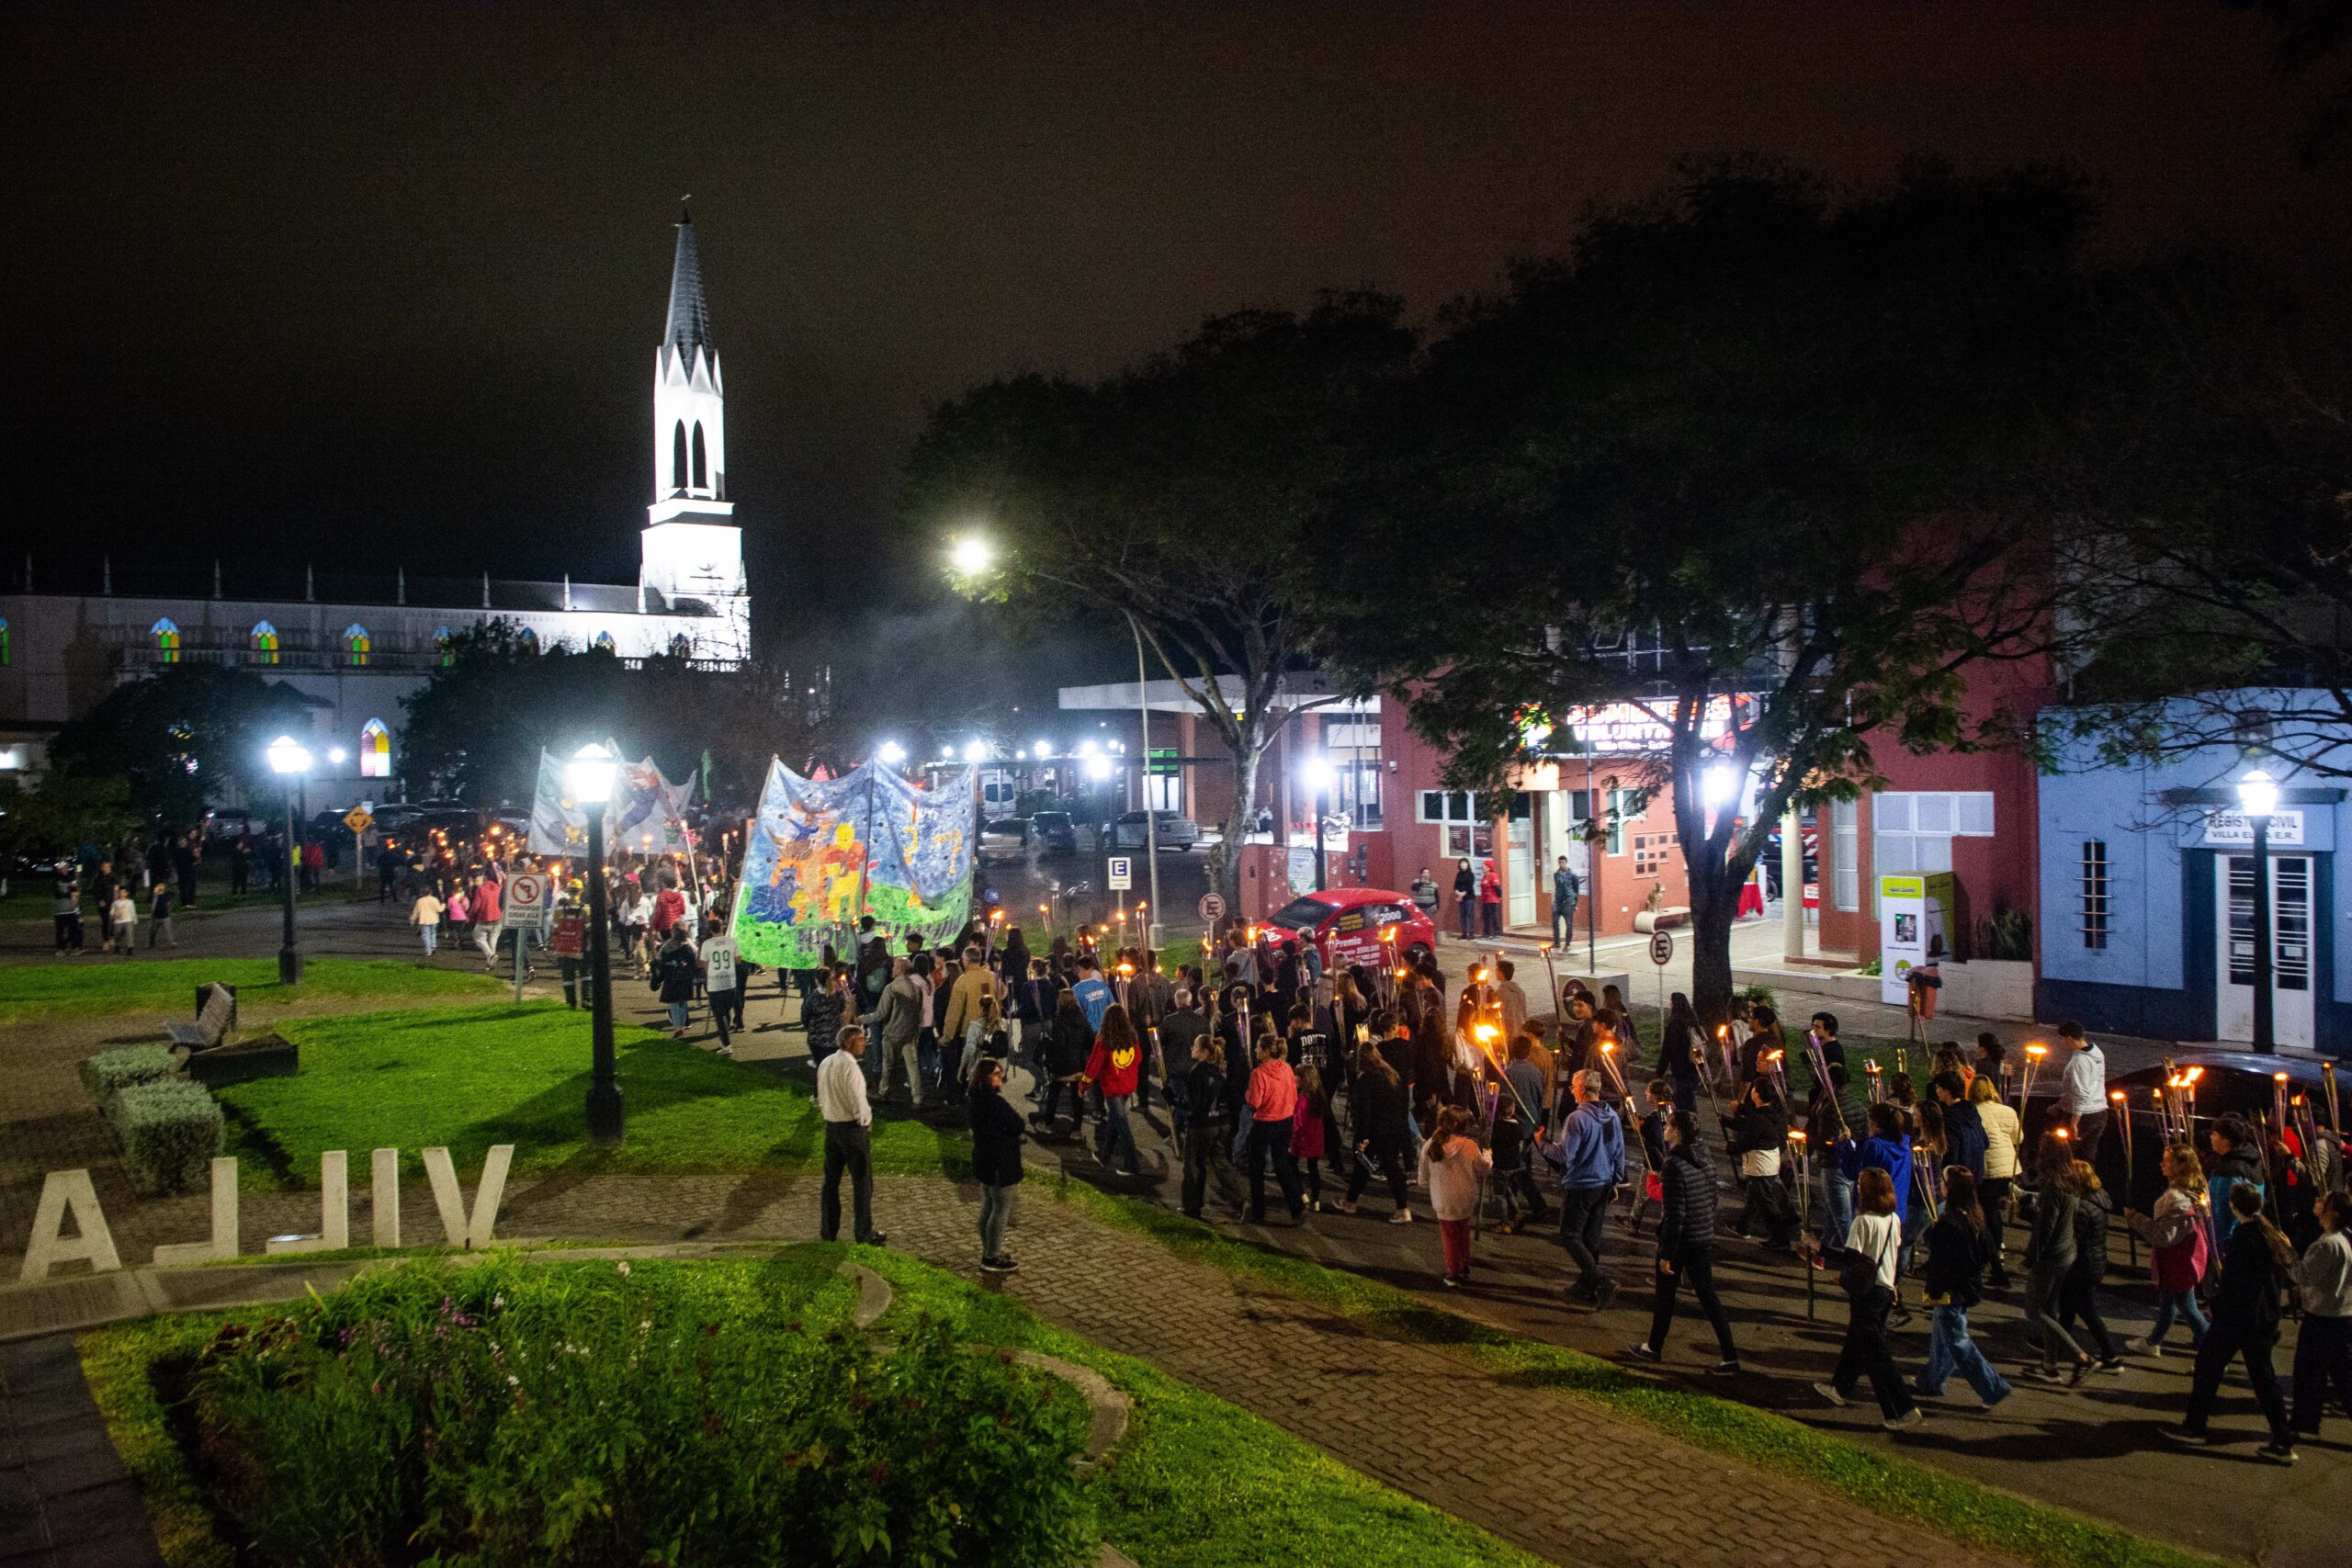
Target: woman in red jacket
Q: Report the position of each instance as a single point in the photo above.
(1114, 1069)
(1490, 900)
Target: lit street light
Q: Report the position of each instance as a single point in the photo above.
(1044, 751)
(591, 772)
(290, 761)
(1098, 768)
(891, 753)
(1319, 778)
(976, 751)
(2258, 797)
(972, 554)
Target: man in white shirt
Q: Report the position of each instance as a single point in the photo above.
(849, 1119)
(2082, 1091)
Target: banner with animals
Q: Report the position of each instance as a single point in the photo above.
(823, 853)
(646, 815)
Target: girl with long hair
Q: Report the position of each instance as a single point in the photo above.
(2050, 1256)
(1957, 1248)
(2256, 1261)
(1679, 1044)
(1451, 1164)
(2178, 1249)
(1867, 1274)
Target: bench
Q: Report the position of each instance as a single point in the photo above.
(216, 1017)
(1650, 921)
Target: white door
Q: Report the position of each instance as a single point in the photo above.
(1519, 873)
(2290, 949)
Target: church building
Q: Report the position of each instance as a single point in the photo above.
(354, 646)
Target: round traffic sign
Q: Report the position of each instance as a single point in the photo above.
(1661, 948)
(1212, 906)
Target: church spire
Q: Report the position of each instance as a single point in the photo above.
(689, 327)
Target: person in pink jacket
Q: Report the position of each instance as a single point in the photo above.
(1451, 1162)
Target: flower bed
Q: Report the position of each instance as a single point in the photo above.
(510, 1412)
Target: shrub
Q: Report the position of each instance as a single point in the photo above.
(169, 1132)
(502, 1413)
(110, 1072)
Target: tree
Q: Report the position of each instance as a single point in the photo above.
(60, 812)
(1765, 465)
(183, 736)
(1172, 497)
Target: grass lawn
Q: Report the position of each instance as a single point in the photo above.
(1195, 1483)
(509, 1073)
(98, 984)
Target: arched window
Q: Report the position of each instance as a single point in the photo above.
(375, 750)
(441, 640)
(530, 641)
(680, 647)
(4, 649)
(604, 640)
(356, 642)
(265, 643)
(167, 641)
(702, 466)
(678, 457)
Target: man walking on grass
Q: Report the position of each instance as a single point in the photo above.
(849, 1121)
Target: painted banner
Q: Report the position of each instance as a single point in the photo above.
(646, 815)
(823, 853)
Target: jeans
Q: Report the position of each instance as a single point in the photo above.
(1994, 1197)
(1865, 1352)
(2323, 1357)
(1468, 910)
(2213, 1359)
(1116, 1134)
(1697, 1266)
(1582, 1209)
(847, 1147)
(1490, 917)
(432, 935)
(2078, 1297)
(2043, 1287)
(1769, 1200)
(678, 1015)
(2183, 1304)
(1057, 1089)
(1390, 1163)
(996, 1208)
(1951, 1350)
(1272, 1138)
(1564, 923)
(1203, 1150)
(1836, 1208)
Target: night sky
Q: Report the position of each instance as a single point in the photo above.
(382, 285)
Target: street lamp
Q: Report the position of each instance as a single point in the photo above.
(976, 751)
(290, 761)
(2258, 797)
(891, 753)
(1044, 751)
(1719, 786)
(1319, 776)
(972, 554)
(592, 774)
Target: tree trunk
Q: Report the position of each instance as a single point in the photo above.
(1226, 876)
(1713, 906)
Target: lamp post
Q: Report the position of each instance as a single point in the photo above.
(1319, 777)
(592, 772)
(289, 760)
(2258, 796)
(1151, 935)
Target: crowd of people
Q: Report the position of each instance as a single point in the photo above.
(1908, 1194)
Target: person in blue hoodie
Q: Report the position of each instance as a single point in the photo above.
(1888, 1150)
(1590, 1152)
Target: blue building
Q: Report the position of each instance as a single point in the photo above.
(2147, 901)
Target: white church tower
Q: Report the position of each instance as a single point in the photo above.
(693, 550)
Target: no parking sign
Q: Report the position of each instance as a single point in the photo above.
(526, 899)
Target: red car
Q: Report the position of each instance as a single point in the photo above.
(1346, 923)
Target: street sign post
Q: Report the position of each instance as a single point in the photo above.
(1211, 907)
(359, 819)
(1661, 955)
(528, 900)
(1118, 875)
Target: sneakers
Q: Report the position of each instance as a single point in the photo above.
(1603, 1294)
(2035, 1371)
(1341, 1206)
(1724, 1370)
(998, 1266)
(2112, 1365)
(2154, 1351)
(2278, 1453)
(2081, 1370)
(1401, 1217)
(1829, 1393)
(2187, 1438)
(1453, 1282)
(1909, 1419)
(1639, 1351)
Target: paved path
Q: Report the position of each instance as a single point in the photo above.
(65, 1500)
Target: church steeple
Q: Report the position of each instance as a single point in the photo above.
(689, 316)
(691, 552)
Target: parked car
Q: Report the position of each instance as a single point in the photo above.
(1177, 831)
(2229, 1083)
(1054, 832)
(1345, 924)
(227, 826)
(1006, 839)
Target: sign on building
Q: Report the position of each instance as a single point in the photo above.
(2235, 830)
(1915, 918)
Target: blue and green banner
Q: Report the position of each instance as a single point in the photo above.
(822, 854)
(645, 815)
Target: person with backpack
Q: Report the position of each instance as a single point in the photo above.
(2178, 1250)
(1686, 1244)
(2255, 1261)
(1958, 1251)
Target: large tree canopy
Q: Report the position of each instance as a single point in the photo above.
(183, 737)
(1175, 494)
(1746, 448)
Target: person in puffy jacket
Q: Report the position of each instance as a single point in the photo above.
(996, 1160)
(2247, 1308)
(2050, 1257)
(1067, 1045)
(1958, 1249)
(2078, 1293)
(673, 977)
(1379, 1105)
(1685, 1245)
